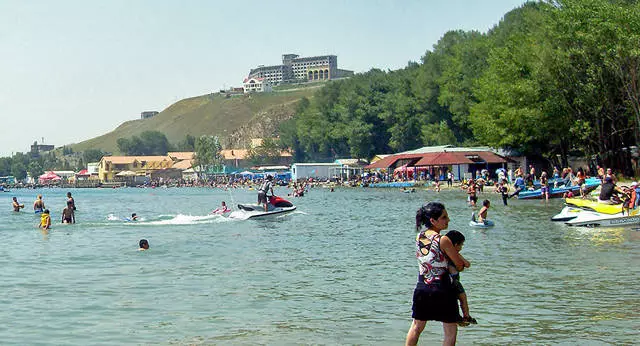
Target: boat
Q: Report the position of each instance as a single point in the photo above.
(589, 204)
(276, 206)
(558, 192)
(587, 218)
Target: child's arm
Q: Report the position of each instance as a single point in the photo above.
(467, 264)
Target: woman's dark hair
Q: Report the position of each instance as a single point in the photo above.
(428, 211)
(455, 237)
(143, 242)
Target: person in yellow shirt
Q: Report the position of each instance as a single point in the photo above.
(45, 220)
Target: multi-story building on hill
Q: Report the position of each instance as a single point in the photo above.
(295, 69)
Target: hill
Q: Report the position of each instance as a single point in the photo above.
(235, 119)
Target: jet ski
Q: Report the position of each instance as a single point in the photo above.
(568, 213)
(594, 205)
(276, 206)
(589, 218)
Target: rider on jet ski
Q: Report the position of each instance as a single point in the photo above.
(264, 189)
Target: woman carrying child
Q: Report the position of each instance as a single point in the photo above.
(434, 298)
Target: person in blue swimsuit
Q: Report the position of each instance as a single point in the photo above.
(38, 205)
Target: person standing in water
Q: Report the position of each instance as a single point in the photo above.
(434, 298)
(45, 220)
(17, 206)
(38, 205)
(68, 216)
(70, 199)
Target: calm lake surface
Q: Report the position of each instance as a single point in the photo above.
(340, 270)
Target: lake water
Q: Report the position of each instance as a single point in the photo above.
(340, 270)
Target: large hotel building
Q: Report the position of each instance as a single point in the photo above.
(297, 69)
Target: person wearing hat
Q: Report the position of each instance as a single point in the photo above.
(610, 193)
(266, 186)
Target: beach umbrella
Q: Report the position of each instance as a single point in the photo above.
(126, 174)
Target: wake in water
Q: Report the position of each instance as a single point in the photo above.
(179, 219)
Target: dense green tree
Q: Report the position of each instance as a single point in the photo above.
(208, 154)
(267, 153)
(92, 155)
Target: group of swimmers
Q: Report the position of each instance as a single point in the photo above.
(68, 213)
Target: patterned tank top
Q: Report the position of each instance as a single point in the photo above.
(432, 261)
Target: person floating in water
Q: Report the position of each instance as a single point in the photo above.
(17, 206)
(38, 205)
(482, 215)
(221, 209)
(144, 245)
(134, 217)
(68, 215)
(45, 220)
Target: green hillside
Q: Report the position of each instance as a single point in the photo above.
(211, 114)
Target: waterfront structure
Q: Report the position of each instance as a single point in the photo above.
(110, 166)
(299, 69)
(256, 84)
(148, 114)
(463, 162)
(315, 170)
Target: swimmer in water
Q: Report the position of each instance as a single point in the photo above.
(134, 217)
(144, 245)
(17, 206)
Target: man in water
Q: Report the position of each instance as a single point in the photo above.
(68, 216)
(70, 199)
(134, 217)
(267, 186)
(144, 245)
(38, 205)
(17, 206)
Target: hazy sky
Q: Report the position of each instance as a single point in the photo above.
(73, 70)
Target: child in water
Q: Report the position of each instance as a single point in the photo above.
(457, 239)
(45, 220)
(483, 211)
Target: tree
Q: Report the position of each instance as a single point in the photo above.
(93, 155)
(208, 154)
(267, 153)
(34, 169)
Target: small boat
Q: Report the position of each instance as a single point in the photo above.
(276, 206)
(558, 192)
(587, 218)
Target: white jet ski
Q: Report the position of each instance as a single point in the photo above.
(277, 206)
(589, 218)
(567, 213)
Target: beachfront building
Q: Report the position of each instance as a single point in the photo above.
(321, 171)
(256, 85)
(462, 162)
(111, 167)
(297, 69)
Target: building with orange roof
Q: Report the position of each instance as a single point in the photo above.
(109, 166)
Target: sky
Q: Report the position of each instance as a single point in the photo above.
(71, 70)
